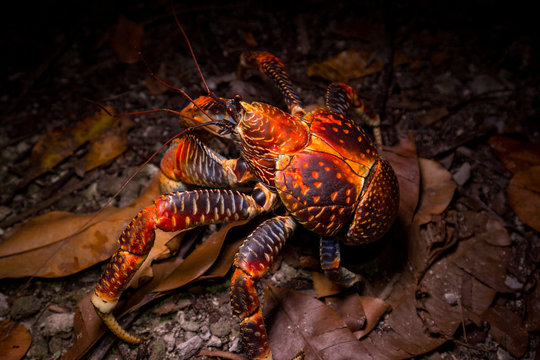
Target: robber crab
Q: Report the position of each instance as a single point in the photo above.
(320, 166)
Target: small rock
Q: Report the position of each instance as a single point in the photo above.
(4, 306)
(158, 349)
(204, 332)
(5, 211)
(235, 345)
(513, 283)
(221, 328)
(189, 348)
(451, 298)
(187, 325)
(24, 306)
(484, 83)
(56, 347)
(170, 340)
(214, 341)
(57, 324)
(502, 354)
(39, 348)
(463, 174)
(287, 273)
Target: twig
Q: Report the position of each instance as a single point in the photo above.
(223, 354)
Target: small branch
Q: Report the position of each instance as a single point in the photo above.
(222, 354)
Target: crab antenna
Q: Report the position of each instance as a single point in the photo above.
(174, 88)
(191, 51)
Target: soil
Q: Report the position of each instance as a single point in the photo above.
(474, 74)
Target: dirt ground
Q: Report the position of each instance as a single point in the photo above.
(472, 72)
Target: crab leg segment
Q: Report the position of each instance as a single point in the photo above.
(273, 68)
(330, 256)
(253, 261)
(188, 161)
(176, 211)
(340, 97)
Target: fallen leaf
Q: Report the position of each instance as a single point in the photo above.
(167, 275)
(437, 190)
(351, 64)
(88, 328)
(108, 145)
(404, 161)
(506, 329)
(350, 309)
(62, 243)
(323, 286)
(374, 309)
(532, 320)
(55, 146)
(514, 154)
(127, 40)
(296, 321)
(154, 86)
(524, 196)
(15, 340)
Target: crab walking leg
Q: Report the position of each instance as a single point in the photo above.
(273, 68)
(340, 97)
(189, 161)
(172, 212)
(253, 261)
(330, 257)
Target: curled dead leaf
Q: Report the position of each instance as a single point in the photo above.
(210, 259)
(15, 340)
(108, 145)
(297, 322)
(61, 243)
(506, 328)
(55, 146)
(350, 309)
(524, 196)
(404, 161)
(323, 286)
(154, 86)
(374, 309)
(514, 154)
(351, 64)
(127, 40)
(437, 190)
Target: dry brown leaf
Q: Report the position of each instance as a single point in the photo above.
(297, 322)
(374, 309)
(437, 190)
(515, 155)
(127, 40)
(55, 146)
(15, 340)
(351, 64)
(532, 320)
(154, 86)
(88, 328)
(323, 286)
(524, 196)
(56, 244)
(167, 275)
(404, 161)
(506, 329)
(108, 145)
(350, 309)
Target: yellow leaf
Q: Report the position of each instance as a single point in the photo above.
(55, 146)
